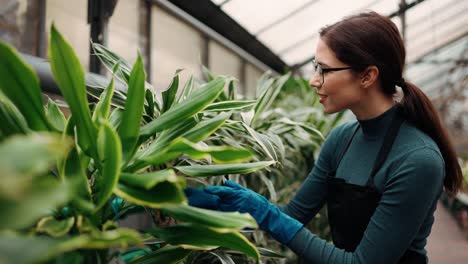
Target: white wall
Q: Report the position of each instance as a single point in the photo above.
(123, 34)
(223, 61)
(70, 18)
(175, 45)
(252, 75)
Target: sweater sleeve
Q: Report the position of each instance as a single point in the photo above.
(310, 197)
(408, 195)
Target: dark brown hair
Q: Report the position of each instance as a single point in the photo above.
(369, 39)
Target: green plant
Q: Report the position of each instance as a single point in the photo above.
(62, 174)
(283, 124)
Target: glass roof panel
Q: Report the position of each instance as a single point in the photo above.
(301, 53)
(308, 22)
(254, 15)
(290, 29)
(433, 23)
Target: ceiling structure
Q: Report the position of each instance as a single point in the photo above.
(283, 35)
(290, 28)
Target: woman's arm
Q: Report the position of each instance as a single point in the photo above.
(408, 197)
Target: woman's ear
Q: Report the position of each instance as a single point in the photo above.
(370, 76)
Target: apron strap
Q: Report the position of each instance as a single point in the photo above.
(389, 138)
(332, 173)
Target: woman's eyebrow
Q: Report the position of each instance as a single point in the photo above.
(322, 64)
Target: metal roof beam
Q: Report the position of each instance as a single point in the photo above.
(210, 19)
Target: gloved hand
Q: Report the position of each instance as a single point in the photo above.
(202, 199)
(236, 198)
(116, 204)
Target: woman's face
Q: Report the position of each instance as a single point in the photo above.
(340, 89)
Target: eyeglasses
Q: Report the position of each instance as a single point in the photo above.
(321, 71)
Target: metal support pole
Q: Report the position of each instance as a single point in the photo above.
(41, 49)
(99, 12)
(145, 24)
(243, 77)
(205, 51)
(402, 7)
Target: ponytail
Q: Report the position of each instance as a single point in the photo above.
(421, 112)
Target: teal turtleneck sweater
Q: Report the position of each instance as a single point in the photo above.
(410, 181)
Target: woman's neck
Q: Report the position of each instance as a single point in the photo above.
(373, 106)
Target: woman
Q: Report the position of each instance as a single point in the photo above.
(380, 176)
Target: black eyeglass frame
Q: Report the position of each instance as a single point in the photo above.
(325, 70)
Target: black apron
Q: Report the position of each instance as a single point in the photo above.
(351, 206)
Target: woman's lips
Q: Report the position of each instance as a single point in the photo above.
(322, 98)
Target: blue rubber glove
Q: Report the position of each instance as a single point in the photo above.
(236, 198)
(202, 199)
(116, 204)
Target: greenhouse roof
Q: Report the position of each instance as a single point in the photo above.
(283, 35)
(290, 28)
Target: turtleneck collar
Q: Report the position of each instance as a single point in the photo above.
(377, 126)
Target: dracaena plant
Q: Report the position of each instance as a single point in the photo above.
(284, 124)
(62, 174)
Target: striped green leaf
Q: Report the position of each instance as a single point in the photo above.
(231, 90)
(168, 135)
(115, 118)
(160, 144)
(168, 255)
(205, 128)
(268, 95)
(165, 193)
(263, 141)
(310, 130)
(218, 170)
(21, 85)
(55, 116)
(186, 109)
(207, 74)
(13, 122)
(55, 227)
(69, 75)
(169, 95)
(113, 62)
(205, 238)
(32, 155)
(219, 154)
(148, 180)
(74, 172)
(43, 248)
(150, 105)
(269, 253)
(227, 221)
(101, 112)
(231, 105)
(37, 199)
(131, 119)
(186, 91)
(109, 150)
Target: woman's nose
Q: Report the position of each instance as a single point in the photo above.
(314, 81)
